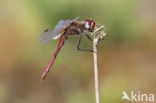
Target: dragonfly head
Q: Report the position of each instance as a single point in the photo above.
(89, 24)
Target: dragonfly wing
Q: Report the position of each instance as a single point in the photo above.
(62, 24)
(78, 17)
(47, 36)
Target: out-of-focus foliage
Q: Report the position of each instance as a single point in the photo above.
(127, 58)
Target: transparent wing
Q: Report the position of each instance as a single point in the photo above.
(61, 25)
(78, 17)
(48, 35)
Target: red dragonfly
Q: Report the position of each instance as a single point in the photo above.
(63, 29)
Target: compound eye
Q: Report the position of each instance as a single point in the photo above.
(92, 25)
(87, 25)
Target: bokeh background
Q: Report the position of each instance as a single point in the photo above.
(126, 57)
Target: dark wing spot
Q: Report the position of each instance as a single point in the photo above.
(46, 30)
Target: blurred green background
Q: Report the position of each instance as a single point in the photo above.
(126, 57)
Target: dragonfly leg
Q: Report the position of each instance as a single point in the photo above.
(82, 49)
(89, 37)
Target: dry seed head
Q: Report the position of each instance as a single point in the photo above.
(99, 32)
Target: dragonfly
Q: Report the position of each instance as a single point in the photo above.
(63, 30)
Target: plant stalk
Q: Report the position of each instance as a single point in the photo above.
(96, 79)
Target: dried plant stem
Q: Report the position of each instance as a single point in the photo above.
(98, 34)
(96, 79)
